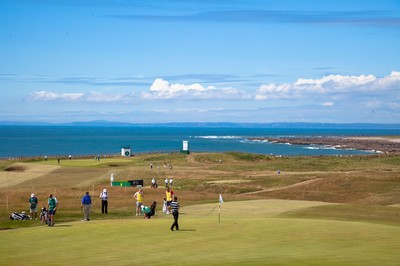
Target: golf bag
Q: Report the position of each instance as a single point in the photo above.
(44, 216)
(19, 216)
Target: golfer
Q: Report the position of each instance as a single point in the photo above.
(52, 205)
(174, 207)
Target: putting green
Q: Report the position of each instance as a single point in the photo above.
(250, 233)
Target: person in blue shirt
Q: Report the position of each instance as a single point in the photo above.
(86, 206)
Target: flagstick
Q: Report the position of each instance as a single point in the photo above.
(7, 189)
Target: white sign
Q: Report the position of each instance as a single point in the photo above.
(185, 145)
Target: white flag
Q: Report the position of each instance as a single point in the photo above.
(220, 199)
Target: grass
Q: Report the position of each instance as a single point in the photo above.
(348, 214)
(259, 236)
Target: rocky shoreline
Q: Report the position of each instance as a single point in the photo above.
(378, 144)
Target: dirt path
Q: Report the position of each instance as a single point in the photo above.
(284, 187)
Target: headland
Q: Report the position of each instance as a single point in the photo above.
(390, 145)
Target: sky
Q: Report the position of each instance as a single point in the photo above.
(135, 61)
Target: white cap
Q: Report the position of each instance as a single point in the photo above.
(104, 190)
(32, 195)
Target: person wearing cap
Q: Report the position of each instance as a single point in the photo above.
(104, 201)
(33, 203)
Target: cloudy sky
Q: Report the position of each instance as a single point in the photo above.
(332, 61)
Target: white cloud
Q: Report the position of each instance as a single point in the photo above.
(94, 96)
(333, 82)
(162, 89)
(332, 85)
(273, 91)
(91, 96)
(52, 96)
(328, 89)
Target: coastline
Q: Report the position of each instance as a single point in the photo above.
(55, 141)
(388, 145)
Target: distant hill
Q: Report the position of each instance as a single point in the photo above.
(104, 123)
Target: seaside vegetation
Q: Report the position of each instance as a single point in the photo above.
(366, 180)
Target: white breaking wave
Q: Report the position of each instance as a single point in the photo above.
(319, 148)
(218, 137)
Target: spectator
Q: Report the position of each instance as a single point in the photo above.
(169, 194)
(104, 201)
(33, 203)
(86, 204)
(154, 183)
(139, 200)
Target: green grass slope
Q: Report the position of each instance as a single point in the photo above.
(249, 233)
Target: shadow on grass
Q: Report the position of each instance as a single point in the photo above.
(63, 225)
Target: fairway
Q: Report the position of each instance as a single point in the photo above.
(21, 172)
(249, 233)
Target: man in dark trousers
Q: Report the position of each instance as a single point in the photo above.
(104, 201)
(174, 208)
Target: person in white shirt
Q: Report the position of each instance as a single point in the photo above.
(104, 201)
(153, 183)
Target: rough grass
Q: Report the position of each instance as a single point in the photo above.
(199, 178)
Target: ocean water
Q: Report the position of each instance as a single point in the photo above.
(36, 141)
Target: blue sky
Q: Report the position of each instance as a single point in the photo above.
(139, 61)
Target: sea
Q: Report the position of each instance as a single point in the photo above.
(19, 141)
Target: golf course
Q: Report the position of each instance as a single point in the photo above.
(323, 210)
